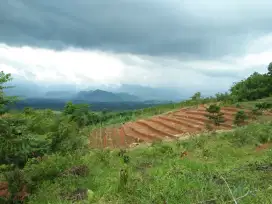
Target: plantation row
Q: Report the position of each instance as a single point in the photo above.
(166, 126)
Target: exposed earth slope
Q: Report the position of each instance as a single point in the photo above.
(172, 125)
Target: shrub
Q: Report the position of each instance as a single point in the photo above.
(263, 106)
(240, 117)
(215, 115)
(16, 143)
(66, 137)
(252, 134)
(52, 166)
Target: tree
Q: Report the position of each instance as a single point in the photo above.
(270, 69)
(256, 86)
(13, 146)
(4, 100)
(196, 96)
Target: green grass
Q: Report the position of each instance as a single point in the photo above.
(158, 174)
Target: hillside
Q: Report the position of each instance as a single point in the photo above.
(172, 125)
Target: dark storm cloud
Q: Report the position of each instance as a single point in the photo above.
(153, 27)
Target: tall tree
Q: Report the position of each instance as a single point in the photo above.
(4, 100)
(270, 69)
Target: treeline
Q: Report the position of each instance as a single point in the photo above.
(56, 104)
(256, 86)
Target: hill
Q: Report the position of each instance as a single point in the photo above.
(59, 95)
(104, 96)
(172, 125)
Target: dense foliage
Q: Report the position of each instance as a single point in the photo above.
(256, 86)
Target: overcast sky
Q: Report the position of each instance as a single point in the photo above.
(192, 44)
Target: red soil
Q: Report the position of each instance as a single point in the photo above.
(166, 126)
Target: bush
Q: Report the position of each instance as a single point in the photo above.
(66, 137)
(263, 106)
(239, 118)
(16, 143)
(215, 115)
(253, 134)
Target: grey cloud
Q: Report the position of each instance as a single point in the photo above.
(203, 29)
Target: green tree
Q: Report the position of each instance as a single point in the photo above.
(69, 108)
(4, 100)
(256, 86)
(270, 69)
(196, 96)
(17, 142)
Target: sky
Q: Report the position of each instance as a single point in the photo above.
(198, 45)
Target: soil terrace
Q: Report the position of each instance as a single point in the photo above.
(171, 125)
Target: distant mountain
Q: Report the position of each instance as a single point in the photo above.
(124, 92)
(128, 97)
(60, 94)
(105, 96)
(149, 93)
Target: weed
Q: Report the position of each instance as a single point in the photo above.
(123, 178)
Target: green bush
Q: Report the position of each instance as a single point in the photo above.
(252, 134)
(66, 137)
(263, 106)
(240, 117)
(16, 143)
(215, 115)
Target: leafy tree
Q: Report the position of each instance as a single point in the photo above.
(69, 108)
(256, 86)
(270, 69)
(196, 96)
(4, 100)
(81, 114)
(17, 142)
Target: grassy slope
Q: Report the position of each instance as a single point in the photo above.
(158, 174)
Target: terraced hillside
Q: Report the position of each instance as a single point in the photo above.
(161, 127)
